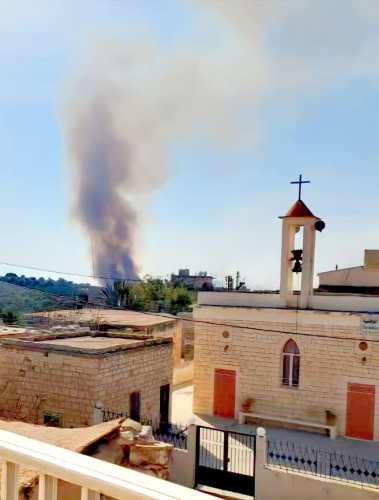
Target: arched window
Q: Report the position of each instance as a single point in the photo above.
(291, 364)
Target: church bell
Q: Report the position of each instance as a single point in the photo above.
(297, 256)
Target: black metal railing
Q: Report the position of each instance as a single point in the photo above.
(326, 463)
(113, 415)
(167, 432)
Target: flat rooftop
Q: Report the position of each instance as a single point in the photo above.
(83, 344)
(88, 342)
(107, 317)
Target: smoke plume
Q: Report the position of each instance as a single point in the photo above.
(132, 102)
(117, 127)
(103, 168)
(126, 108)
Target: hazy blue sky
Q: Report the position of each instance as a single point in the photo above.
(297, 80)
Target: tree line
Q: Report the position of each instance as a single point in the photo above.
(149, 294)
(22, 294)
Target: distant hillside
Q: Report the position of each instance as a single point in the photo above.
(23, 300)
(27, 294)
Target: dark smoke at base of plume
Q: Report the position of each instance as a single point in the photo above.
(102, 171)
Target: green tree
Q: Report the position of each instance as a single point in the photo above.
(9, 317)
(180, 299)
(150, 294)
(124, 294)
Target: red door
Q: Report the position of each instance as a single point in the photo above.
(224, 393)
(360, 411)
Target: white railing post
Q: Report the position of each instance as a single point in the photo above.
(89, 494)
(191, 446)
(262, 487)
(90, 474)
(47, 487)
(9, 481)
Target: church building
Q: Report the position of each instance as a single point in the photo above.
(300, 358)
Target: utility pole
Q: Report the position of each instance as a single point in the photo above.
(229, 283)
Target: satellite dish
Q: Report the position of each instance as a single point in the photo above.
(320, 225)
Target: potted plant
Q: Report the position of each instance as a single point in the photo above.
(246, 405)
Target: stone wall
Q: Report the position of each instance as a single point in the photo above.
(327, 364)
(188, 334)
(172, 329)
(33, 383)
(143, 370)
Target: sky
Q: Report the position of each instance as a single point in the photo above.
(246, 95)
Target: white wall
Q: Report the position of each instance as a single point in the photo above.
(290, 316)
(353, 276)
(277, 484)
(325, 302)
(274, 483)
(183, 462)
(357, 303)
(246, 299)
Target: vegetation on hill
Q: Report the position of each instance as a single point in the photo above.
(22, 300)
(59, 286)
(23, 294)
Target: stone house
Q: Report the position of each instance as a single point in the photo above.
(156, 325)
(296, 358)
(59, 379)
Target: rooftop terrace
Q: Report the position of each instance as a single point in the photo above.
(84, 344)
(106, 318)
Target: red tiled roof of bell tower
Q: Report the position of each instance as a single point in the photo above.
(299, 209)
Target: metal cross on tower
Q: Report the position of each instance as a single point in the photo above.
(300, 182)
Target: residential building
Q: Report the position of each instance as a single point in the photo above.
(59, 378)
(298, 358)
(357, 279)
(200, 281)
(156, 325)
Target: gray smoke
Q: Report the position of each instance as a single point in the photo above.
(115, 137)
(131, 103)
(102, 161)
(126, 108)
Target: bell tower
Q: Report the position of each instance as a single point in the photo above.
(298, 260)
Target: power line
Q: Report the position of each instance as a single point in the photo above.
(67, 273)
(261, 330)
(256, 329)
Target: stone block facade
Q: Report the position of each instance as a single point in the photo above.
(188, 335)
(328, 362)
(38, 385)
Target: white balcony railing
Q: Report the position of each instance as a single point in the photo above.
(93, 476)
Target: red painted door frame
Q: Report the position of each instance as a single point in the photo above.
(360, 411)
(224, 394)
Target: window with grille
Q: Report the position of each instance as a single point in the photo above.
(291, 364)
